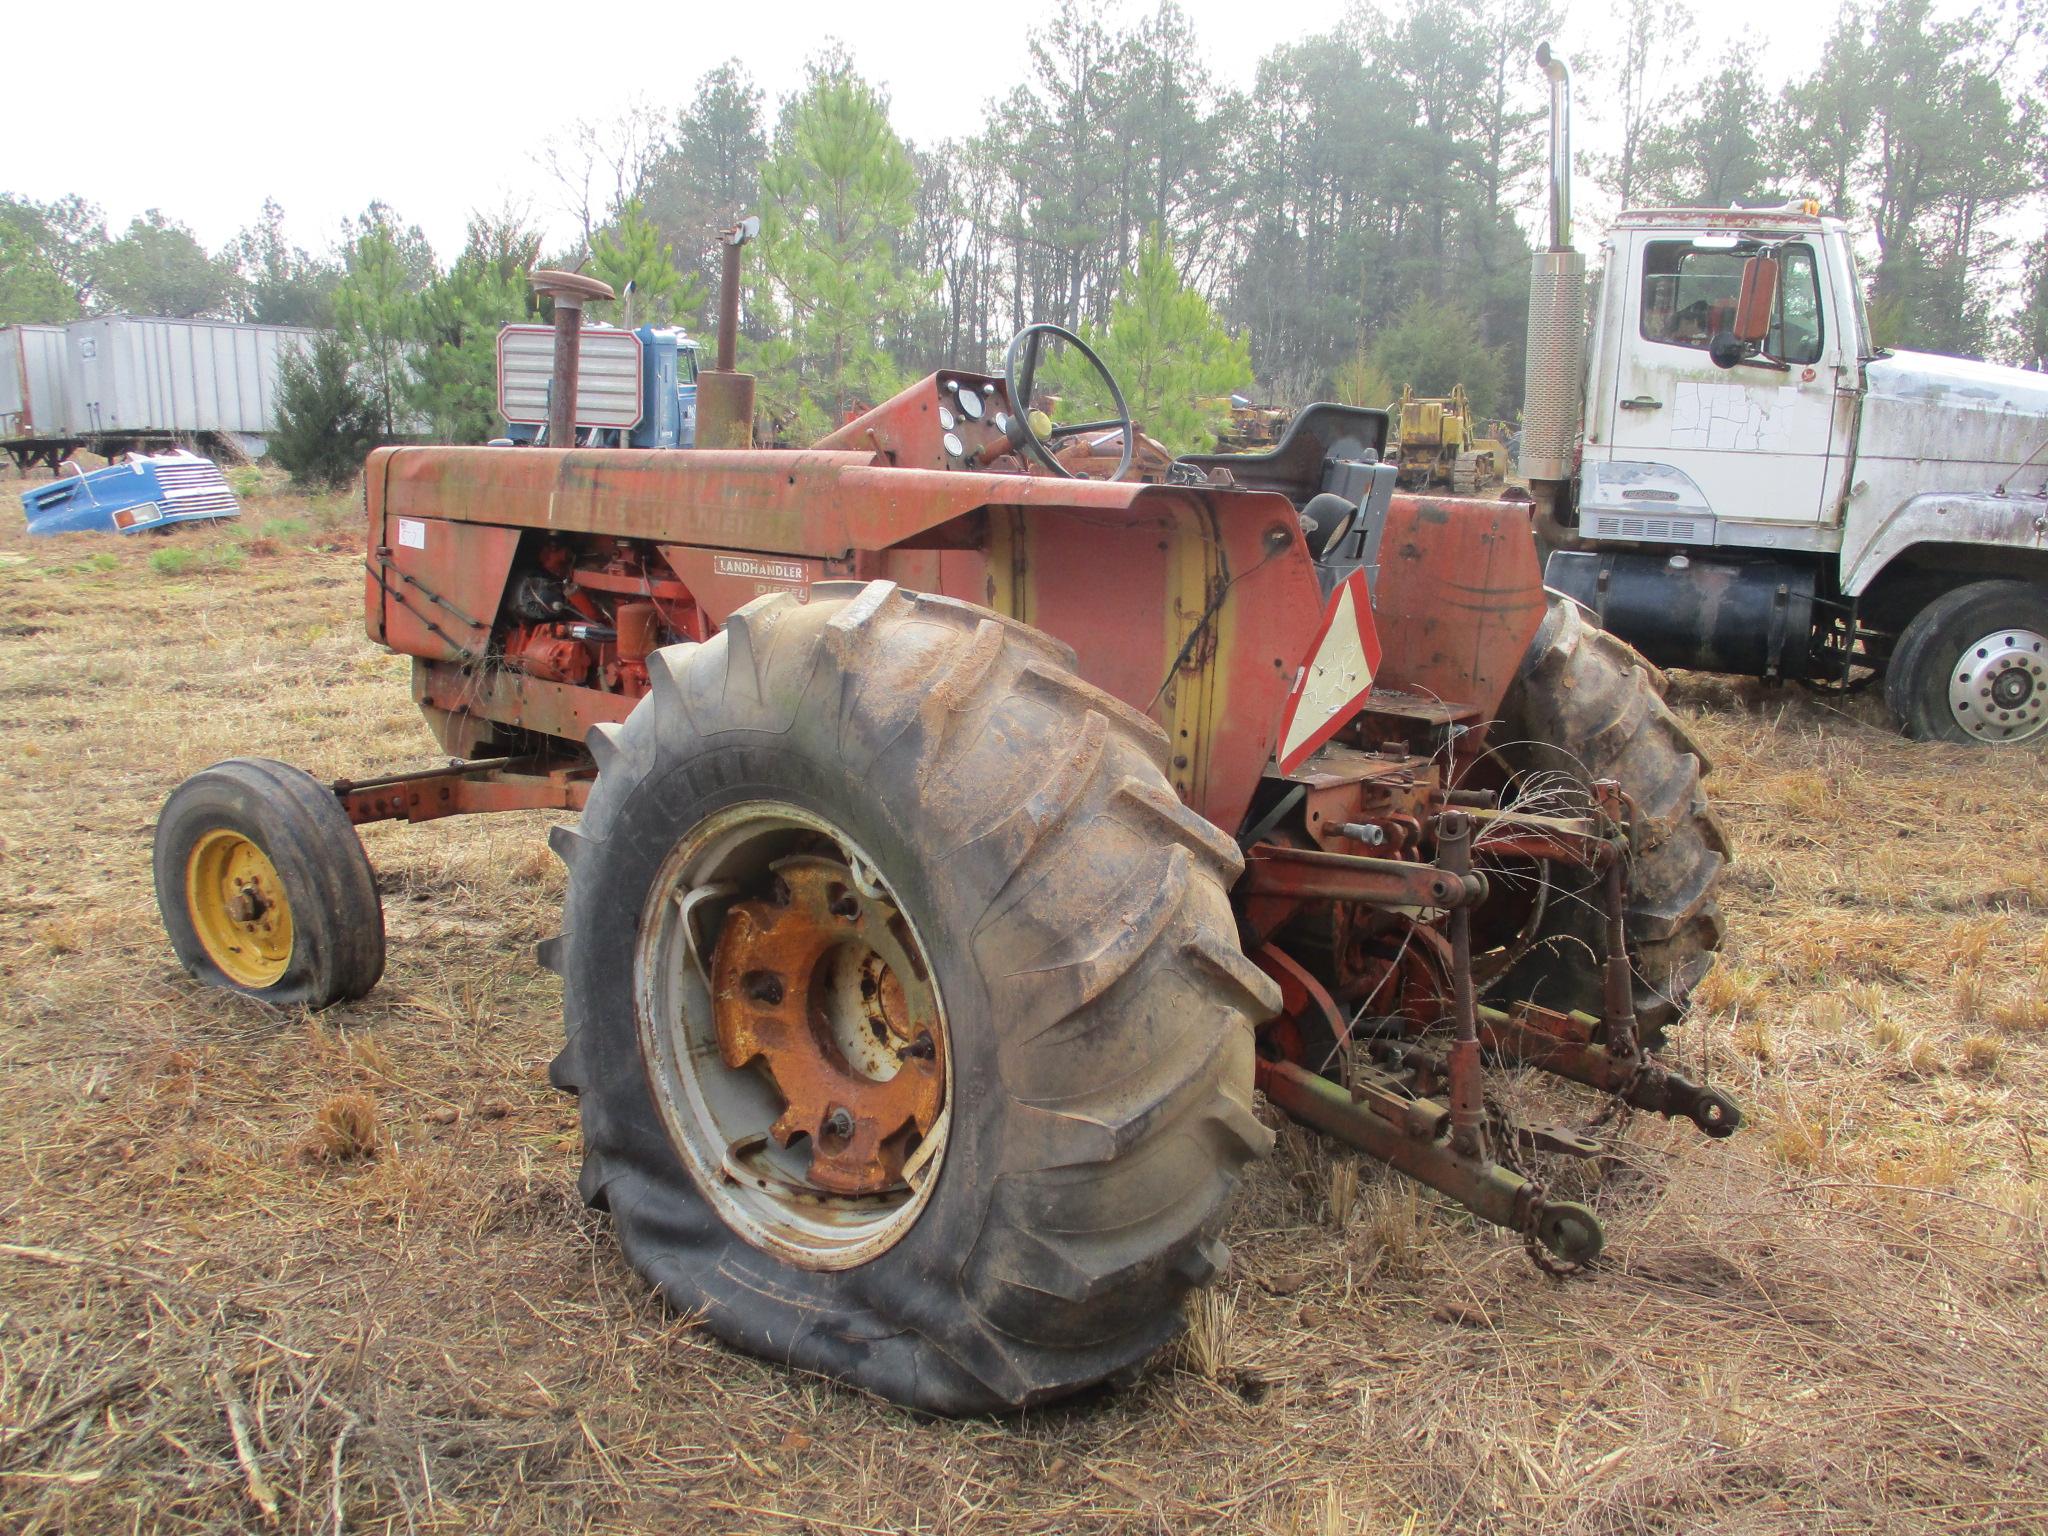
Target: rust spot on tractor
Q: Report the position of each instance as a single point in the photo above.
(812, 983)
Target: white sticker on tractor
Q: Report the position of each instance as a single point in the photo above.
(412, 533)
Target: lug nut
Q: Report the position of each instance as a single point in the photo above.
(838, 1123)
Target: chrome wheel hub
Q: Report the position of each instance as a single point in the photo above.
(1999, 686)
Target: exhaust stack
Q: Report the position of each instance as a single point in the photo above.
(725, 396)
(570, 291)
(1555, 361)
(1560, 146)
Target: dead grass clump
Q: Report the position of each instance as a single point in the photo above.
(2022, 1013)
(1969, 991)
(1391, 1226)
(1828, 1014)
(1343, 1191)
(1752, 1037)
(1983, 1053)
(1925, 1056)
(344, 1130)
(1730, 989)
(1800, 1134)
(1209, 1348)
(1921, 1162)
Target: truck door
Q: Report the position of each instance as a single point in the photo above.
(1753, 438)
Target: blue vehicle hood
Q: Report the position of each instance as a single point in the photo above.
(145, 491)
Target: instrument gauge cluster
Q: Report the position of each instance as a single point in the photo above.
(971, 419)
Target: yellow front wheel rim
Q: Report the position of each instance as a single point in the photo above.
(239, 908)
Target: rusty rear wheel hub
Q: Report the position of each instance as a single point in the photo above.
(817, 985)
(793, 1034)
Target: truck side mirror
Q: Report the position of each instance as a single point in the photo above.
(1757, 300)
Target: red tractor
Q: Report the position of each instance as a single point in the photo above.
(963, 843)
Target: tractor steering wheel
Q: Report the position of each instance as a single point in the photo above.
(1024, 346)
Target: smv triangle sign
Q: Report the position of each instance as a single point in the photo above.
(1336, 679)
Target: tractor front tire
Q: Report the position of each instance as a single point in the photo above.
(1585, 706)
(264, 887)
(986, 1175)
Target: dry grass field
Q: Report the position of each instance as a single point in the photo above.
(263, 1272)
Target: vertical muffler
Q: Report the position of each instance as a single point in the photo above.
(725, 396)
(1556, 358)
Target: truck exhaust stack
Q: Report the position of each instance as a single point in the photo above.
(1557, 308)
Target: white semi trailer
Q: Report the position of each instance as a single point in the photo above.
(1733, 476)
(119, 382)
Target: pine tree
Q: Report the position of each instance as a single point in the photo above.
(326, 420)
(280, 284)
(837, 196)
(376, 304)
(1434, 347)
(1168, 349)
(631, 255)
(454, 366)
(710, 174)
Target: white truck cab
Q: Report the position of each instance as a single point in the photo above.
(1743, 482)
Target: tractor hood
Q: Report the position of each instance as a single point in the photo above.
(1978, 421)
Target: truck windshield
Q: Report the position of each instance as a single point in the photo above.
(1689, 295)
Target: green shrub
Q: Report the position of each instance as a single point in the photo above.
(326, 422)
(174, 561)
(283, 527)
(187, 559)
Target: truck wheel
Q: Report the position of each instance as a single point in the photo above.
(1465, 474)
(264, 887)
(904, 1003)
(1973, 666)
(1584, 706)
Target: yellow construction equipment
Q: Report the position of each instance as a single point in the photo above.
(1438, 445)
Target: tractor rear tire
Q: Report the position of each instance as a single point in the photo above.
(1095, 1008)
(1585, 706)
(264, 887)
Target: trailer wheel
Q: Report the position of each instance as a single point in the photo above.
(1973, 666)
(1585, 706)
(904, 1003)
(264, 888)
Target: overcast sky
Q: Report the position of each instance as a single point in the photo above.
(204, 110)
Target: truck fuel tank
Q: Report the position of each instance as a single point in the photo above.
(1749, 617)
